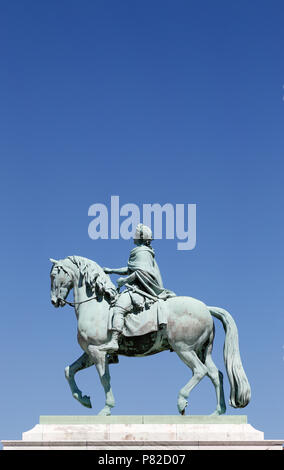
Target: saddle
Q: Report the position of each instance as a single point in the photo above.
(146, 316)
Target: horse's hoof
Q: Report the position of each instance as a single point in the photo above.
(104, 412)
(85, 400)
(218, 412)
(182, 404)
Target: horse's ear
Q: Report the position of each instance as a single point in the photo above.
(53, 260)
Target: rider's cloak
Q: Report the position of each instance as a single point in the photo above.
(142, 262)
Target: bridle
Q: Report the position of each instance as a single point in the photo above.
(74, 304)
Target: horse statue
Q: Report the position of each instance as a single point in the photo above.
(189, 332)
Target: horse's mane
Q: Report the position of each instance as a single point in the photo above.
(94, 276)
(85, 264)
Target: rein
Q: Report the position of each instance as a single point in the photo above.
(129, 287)
(73, 304)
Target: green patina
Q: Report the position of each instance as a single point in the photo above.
(107, 326)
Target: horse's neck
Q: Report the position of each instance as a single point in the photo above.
(82, 294)
(88, 306)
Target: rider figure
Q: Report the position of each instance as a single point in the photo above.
(141, 271)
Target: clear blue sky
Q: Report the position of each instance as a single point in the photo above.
(154, 101)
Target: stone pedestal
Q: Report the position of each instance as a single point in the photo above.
(143, 433)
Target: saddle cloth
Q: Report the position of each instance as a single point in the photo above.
(145, 321)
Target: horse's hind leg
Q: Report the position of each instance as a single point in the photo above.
(82, 363)
(199, 370)
(215, 375)
(217, 378)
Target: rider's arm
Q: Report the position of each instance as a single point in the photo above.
(124, 280)
(123, 271)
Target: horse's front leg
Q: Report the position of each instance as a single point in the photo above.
(82, 363)
(100, 360)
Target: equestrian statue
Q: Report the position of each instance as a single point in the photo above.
(143, 319)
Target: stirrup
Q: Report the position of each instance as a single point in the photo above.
(112, 358)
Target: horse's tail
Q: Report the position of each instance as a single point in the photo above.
(240, 388)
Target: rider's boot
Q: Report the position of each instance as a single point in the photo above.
(112, 345)
(117, 327)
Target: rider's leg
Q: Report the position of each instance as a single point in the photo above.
(122, 307)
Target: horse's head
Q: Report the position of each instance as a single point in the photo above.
(61, 283)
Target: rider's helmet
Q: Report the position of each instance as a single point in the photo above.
(143, 233)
